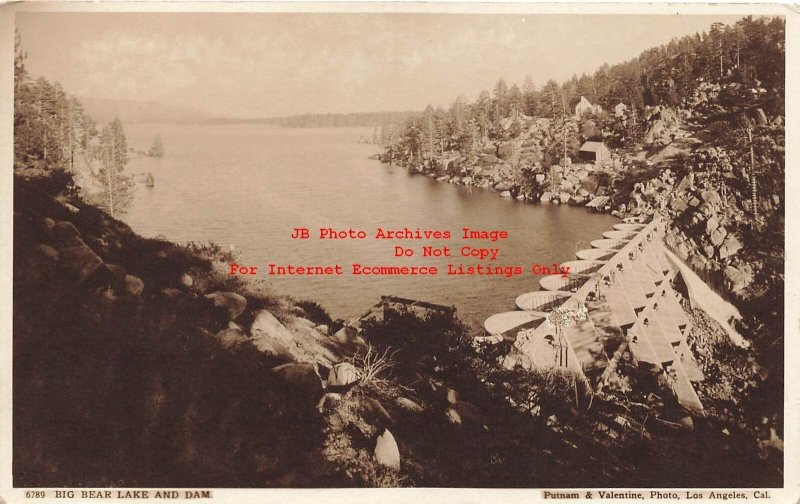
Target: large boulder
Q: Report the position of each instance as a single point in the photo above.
(705, 209)
(374, 412)
(711, 197)
(408, 404)
(684, 184)
(678, 204)
(231, 337)
(133, 285)
(47, 224)
(349, 338)
(698, 262)
(656, 129)
(502, 186)
(343, 374)
(274, 348)
(232, 302)
(63, 232)
(467, 414)
(301, 376)
(270, 336)
(304, 321)
(386, 451)
(506, 150)
(79, 261)
(683, 250)
(589, 129)
(186, 280)
(47, 251)
(117, 273)
(711, 224)
(729, 247)
(738, 279)
(718, 236)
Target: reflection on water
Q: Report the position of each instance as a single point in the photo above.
(251, 185)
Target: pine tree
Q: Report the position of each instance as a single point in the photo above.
(551, 100)
(515, 101)
(529, 98)
(501, 106)
(117, 187)
(157, 149)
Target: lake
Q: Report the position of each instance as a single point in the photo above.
(250, 185)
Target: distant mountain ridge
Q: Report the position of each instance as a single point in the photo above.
(104, 110)
(342, 120)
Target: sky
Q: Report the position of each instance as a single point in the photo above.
(277, 64)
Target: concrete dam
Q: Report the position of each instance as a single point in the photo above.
(621, 297)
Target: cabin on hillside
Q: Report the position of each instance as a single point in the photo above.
(620, 109)
(585, 107)
(595, 151)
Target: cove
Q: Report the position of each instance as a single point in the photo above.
(322, 178)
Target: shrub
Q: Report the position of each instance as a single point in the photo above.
(373, 364)
(419, 341)
(213, 251)
(316, 313)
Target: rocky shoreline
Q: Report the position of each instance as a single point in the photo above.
(706, 218)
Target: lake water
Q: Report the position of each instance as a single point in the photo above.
(251, 185)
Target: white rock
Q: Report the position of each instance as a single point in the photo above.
(186, 280)
(270, 336)
(386, 451)
(452, 416)
(266, 324)
(133, 285)
(408, 404)
(343, 374)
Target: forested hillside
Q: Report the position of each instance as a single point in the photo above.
(55, 138)
(702, 113)
(750, 53)
(696, 134)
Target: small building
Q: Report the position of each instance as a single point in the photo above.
(585, 107)
(595, 151)
(620, 109)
